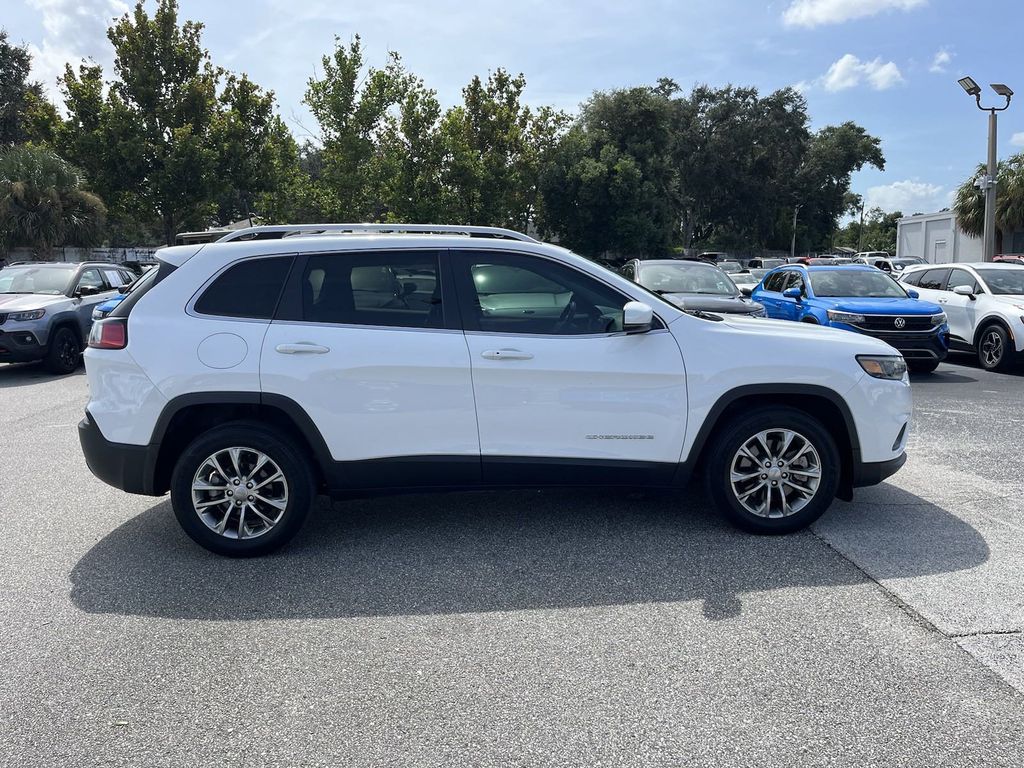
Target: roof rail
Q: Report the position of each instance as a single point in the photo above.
(278, 231)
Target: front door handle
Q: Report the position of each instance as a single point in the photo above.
(506, 354)
(302, 348)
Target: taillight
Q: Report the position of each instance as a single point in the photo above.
(109, 334)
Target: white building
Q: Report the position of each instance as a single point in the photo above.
(936, 238)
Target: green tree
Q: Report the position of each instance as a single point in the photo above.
(969, 204)
(609, 184)
(25, 113)
(43, 204)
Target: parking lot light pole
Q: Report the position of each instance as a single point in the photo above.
(987, 183)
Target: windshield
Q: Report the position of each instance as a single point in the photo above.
(730, 266)
(855, 283)
(1004, 282)
(28, 279)
(907, 261)
(686, 278)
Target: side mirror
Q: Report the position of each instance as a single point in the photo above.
(746, 290)
(123, 289)
(913, 294)
(793, 293)
(637, 317)
(963, 290)
(87, 290)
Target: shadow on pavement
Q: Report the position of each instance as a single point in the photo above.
(482, 551)
(27, 374)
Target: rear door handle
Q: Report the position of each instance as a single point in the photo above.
(302, 348)
(506, 354)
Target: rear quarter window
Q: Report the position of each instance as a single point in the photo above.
(249, 289)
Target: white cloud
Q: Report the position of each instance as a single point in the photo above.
(942, 58)
(74, 30)
(1017, 139)
(813, 13)
(907, 196)
(849, 72)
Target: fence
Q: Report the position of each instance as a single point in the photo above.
(116, 255)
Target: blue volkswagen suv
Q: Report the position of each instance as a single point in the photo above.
(861, 299)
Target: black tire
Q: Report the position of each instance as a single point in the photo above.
(736, 433)
(922, 366)
(293, 463)
(994, 350)
(64, 352)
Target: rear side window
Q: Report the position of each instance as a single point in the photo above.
(250, 289)
(914, 278)
(775, 281)
(934, 279)
(398, 289)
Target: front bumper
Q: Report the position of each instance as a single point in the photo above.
(933, 345)
(20, 347)
(130, 468)
(872, 473)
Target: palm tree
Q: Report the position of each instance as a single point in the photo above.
(970, 201)
(43, 204)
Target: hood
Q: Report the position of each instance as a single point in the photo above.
(779, 330)
(20, 302)
(1009, 299)
(725, 304)
(868, 306)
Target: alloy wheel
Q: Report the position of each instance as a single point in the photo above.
(775, 473)
(239, 493)
(992, 348)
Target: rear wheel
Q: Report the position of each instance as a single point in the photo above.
(773, 470)
(242, 490)
(922, 366)
(64, 352)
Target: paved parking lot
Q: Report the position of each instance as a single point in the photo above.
(532, 629)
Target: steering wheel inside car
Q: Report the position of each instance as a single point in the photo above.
(567, 315)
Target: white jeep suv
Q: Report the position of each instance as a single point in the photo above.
(984, 305)
(247, 375)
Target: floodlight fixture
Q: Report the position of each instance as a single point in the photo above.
(969, 85)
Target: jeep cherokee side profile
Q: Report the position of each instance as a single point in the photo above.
(246, 376)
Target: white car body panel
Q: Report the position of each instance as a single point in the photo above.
(393, 392)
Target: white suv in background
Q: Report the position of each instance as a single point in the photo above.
(984, 304)
(247, 375)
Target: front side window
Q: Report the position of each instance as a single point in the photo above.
(517, 293)
(774, 282)
(397, 289)
(934, 279)
(92, 281)
(249, 289)
(963, 277)
(836, 283)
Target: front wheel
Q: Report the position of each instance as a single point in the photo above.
(773, 470)
(994, 351)
(242, 490)
(64, 353)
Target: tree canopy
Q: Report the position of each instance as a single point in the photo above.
(171, 141)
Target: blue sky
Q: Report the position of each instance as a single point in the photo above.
(890, 65)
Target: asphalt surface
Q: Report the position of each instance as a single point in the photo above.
(520, 629)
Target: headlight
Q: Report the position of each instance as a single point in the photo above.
(850, 318)
(939, 319)
(883, 366)
(33, 314)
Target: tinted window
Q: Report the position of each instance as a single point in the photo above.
(389, 288)
(141, 287)
(962, 277)
(249, 289)
(864, 283)
(775, 281)
(513, 293)
(913, 278)
(934, 279)
(793, 280)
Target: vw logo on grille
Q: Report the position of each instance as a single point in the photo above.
(899, 322)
